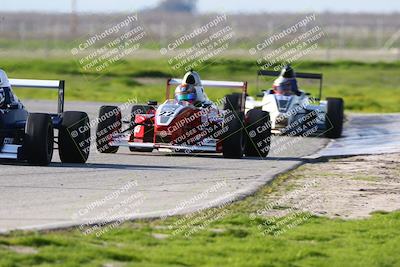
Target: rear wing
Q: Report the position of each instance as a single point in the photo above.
(43, 84)
(217, 84)
(301, 75)
(205, 83)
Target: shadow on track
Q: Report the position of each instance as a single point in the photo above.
(101, 166)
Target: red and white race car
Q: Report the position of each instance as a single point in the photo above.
(183, 126)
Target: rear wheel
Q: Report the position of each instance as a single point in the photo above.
(39, 139)
(233, 141)
(110, 122)
(74, 137)
(258, 133)
(233, 102)
(334, 117)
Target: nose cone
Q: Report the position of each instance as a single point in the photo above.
(4, 82)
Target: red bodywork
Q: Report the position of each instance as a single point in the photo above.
(178, 132)
(144, 132)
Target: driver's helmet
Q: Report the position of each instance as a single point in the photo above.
(2, 98)
(186, 92)
(283, 86)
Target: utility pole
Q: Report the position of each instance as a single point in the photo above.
(74, 18)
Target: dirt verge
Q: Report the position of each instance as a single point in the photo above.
(348, 188)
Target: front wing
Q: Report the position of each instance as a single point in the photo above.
(209, 145)
(9, 151)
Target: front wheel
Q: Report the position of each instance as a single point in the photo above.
(74, 137)
(233, 140)
(334, 117)
(233, 102)
(39, 139)
(110, 123)
(258, 133)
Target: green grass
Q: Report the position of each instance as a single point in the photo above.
(366, 87)
(236, 239)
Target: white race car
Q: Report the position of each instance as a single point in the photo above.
(298, 114)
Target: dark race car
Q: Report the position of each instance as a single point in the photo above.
(30, 137)
(188, 123)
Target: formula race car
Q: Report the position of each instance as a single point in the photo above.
(293, 112)
(188, 123)
(30, 137)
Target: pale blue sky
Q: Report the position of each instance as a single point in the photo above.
(230, 6)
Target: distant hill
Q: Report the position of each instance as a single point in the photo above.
(188, 6)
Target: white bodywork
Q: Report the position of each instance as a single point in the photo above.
(4, 82)
(285, 110)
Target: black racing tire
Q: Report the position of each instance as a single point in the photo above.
(233, 102)
(140, 109)
(74, 137)
(110, 122)
(334, 117)
(233, 142)
(258, 133)
(39, 139)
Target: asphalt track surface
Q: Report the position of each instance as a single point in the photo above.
(134, 185)
(368, 134)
